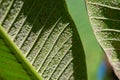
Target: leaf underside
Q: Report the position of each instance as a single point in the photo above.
(47, 37)
(105, 20)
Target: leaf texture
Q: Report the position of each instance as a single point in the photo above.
(47, 37)
(105, 20)
(10, 66)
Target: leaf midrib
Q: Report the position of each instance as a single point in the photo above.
(19, 54)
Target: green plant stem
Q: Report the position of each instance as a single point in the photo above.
(19, 54)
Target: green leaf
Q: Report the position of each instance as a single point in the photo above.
(79, 15)
(105, 20)
(10, 67)
(42, 39)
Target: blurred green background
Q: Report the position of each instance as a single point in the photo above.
(93, 51)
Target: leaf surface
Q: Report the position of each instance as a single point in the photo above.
(43, 38)
(105, 20)
(10, 67)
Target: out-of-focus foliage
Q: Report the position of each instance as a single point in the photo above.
(93, 52)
